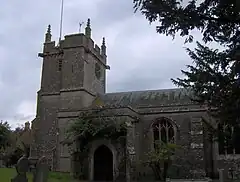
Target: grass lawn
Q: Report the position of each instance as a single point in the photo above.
(6, 174)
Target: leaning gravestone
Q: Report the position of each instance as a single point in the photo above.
(42, 170)
(22, 169)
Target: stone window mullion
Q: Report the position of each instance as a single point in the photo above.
(232, 133)
(166, 132)
(159, 130)
(167, 128)
(225, 140)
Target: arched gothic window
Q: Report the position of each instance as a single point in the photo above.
(163, 131)
(228, 139)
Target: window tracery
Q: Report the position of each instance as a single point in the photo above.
(163, 131)
(228, 138)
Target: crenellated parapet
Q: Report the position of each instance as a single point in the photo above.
(79, 40)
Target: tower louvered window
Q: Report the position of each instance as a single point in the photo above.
(97, 70)
(60, 65)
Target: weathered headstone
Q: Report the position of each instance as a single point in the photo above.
(22, 169)
(42, 170)
(32, 163)
(168, 180)
(208, 179)
(220, 171)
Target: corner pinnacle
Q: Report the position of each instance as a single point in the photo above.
(88, 22)
(49, 29)
(103, 41)
(48, 34)
(88, 29)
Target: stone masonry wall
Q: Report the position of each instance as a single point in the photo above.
(189, 135)
(72, 68)
(92, 82)
(197, 147)
(46, 128)
(51, 76)
(63, 87)
(64, 163)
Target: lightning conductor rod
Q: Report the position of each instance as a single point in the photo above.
(61, 23)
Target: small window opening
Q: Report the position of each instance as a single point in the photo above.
(60, 65)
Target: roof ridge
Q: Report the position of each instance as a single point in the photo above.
(150, 90)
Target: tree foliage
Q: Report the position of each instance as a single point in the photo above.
(5, 132)
(214, 76)
(24, 138)
(214, 82)
(12, 158)
(90, 126)
(217, 20)
(93, 125)
(160, 158)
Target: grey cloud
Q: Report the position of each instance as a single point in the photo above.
(151, 75)
(139, 58)
(144, 60)
(20, 65)
(22, 117)
(113, 11)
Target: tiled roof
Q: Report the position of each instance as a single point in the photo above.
(147, 97)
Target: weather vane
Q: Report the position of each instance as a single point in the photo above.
(80, 26)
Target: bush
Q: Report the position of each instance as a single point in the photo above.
(12, 158)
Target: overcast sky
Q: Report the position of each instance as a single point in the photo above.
(139, 57)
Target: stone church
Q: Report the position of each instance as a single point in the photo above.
(74, 80)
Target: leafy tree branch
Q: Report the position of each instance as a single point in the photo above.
(160, 159)
(214, 76)
(94, 125)
(217, 20)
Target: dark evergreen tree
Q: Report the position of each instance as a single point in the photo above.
(214, 76)
(4, 135)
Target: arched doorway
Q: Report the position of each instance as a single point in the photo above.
(103, 164)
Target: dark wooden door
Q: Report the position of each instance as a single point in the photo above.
(103, 164)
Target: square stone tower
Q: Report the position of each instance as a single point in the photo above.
(73, 73)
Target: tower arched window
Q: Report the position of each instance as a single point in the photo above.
(163, 131)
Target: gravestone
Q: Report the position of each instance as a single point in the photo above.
(22, 169)
(221, 175)
(32, 163)
(42, 170)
